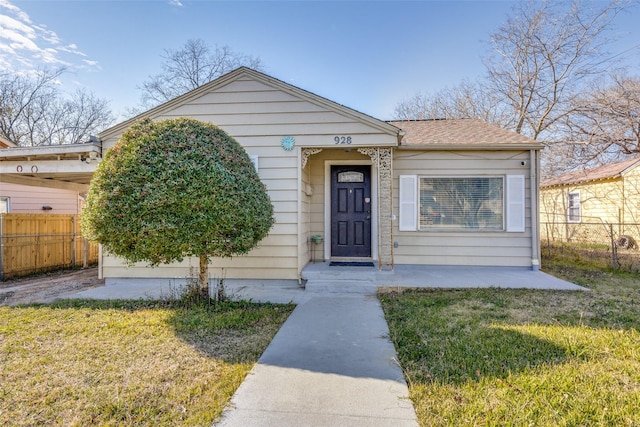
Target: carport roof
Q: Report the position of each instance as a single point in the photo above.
(58, 166)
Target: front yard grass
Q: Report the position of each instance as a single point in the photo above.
(523, 357)
(126, 363)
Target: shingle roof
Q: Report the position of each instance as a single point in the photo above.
(470, 132)
(612, 170)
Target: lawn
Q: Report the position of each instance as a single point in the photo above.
(126, 363)
(523, 357)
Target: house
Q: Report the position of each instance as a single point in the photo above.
(347, 186)
(21, 198)
(608, 194)
(17, 198)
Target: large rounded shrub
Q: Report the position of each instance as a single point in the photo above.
(176, 188)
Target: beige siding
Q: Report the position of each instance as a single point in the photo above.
(29, 199)
(259, 115)
(305, 248)
(488, 248)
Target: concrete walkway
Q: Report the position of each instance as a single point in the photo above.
(331, 364)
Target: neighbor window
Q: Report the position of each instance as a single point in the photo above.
(4, 205)
(573, 207)
(469, 203)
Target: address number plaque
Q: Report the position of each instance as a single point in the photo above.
(341, 140)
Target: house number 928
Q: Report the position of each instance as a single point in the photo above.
(343, 140)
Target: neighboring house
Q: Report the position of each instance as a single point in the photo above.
(609, 194)
(18, 198)
(441, 192)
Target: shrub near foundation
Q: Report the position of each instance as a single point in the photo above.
(177, 188)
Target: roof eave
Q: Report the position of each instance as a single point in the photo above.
(582, 182)
(471, 147)
(630, 168)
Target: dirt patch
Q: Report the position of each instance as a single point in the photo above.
(48, 287)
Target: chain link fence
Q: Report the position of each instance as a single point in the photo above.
(609, 245)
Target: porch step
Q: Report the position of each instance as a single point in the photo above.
(340, 274)
(366, 287)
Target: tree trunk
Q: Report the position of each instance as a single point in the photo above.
(203, 277)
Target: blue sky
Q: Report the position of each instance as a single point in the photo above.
(368, 55)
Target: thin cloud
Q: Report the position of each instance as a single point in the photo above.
(22, 16)
(175, 3)
(25, 45)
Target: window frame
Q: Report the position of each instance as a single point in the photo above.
(7, 202)
(571, 217)
(459, 228)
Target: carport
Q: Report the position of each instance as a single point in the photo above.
(54, 166)
(36, 242)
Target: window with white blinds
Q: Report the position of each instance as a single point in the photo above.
(573, 209)
(465, 203)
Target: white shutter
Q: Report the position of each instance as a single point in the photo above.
(408, 204)
(515, 203)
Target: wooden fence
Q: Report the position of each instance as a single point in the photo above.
(35, 243)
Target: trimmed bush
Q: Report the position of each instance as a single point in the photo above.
(177, 188)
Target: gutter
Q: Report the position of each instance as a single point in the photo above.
(470, 147)
(52, 150)
(534, 185)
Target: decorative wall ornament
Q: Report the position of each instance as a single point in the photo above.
(288, 142)
(308, 152)
(382, 158)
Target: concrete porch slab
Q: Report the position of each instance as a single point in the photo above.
(320, 278)
(434, 276)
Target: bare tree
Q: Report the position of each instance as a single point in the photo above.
(543, 55)
(33, 110)
(541, 59)
(468, 99)
(189, 67)
(606, 119)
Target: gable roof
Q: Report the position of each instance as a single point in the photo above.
(245, 72)
(460, 133)
(613, 170)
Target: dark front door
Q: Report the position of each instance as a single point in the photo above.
(350, 211)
